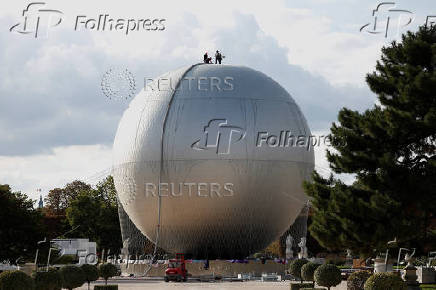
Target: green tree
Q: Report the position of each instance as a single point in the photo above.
(95, 211)
(72, 277)
(391, 151)
(106, 191)
(91, 273)
(16, 280)
(295, 268)
(59, 199)
(107, 271)
(20, 225)
(50, 280)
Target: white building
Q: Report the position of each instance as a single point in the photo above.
(85, 250)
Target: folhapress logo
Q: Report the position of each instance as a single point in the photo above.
(219, 135)
(37, 20)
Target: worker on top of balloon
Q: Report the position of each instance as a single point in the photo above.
(218, 57)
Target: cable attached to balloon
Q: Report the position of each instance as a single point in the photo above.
(159, 198)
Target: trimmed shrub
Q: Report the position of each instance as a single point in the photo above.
(300, 286)
(427, 287)
(295, 268)
(356, 281)
(15, 280)
(72, 277)
(106, 287)
(107, 271)
(385, 281)
(91, 273)
(307, 271)
(328, 275)
(65, 260)
(51, 280)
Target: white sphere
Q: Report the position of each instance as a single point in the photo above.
(213, 167)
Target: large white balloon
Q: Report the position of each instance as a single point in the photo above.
(209, 161)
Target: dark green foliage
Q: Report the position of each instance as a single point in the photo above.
(20, 226)
(66, 259)
(357, 280)
(328, 275)
(308, 270)
(385, 281)
(300, 286)
(391, 150)
(59, 199)
(295, 267)
(107, 271)
(15, 280)
(91, 273)
(95, 211)
(72, 277)
(106, 287)
(51, 280)
(427, 287)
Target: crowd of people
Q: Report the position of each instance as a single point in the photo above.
(218, 57)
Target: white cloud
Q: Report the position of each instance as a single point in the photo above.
(52, 112)
(55, 169)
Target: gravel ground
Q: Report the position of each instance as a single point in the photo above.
(194, 285)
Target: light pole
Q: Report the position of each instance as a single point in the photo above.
(390, 243)
(37, 251)
(399, 256)
(48, 259)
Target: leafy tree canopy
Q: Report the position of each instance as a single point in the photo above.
(391, 150)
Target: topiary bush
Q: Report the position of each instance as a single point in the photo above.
(385, 281)
(328, 275)
(16, 280)
(106, 287)
(51, 280)
(356, 281)
(300, 286)
(107, 271)
(295, 268)
(91, 273)
(72, 277)
(307, 272)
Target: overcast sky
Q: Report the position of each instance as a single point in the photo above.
(56, 125)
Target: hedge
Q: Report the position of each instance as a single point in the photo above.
(50, 280)
(16, 280)
(295, 286)
(385, 281)
(106, 287)
(328, 275)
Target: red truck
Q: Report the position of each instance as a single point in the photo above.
(176, 270)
